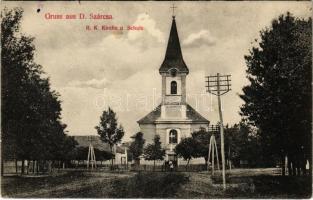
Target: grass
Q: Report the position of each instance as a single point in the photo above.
(266, 186)
(241, 183)
(16, 185)
(149, 185)
(68, 184)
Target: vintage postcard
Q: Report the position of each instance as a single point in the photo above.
(174, 99)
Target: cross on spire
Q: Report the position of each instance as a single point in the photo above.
(173, 7)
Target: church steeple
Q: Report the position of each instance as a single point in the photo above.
(173, 56)
(174, 119)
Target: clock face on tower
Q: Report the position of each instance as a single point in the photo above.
(173, 72)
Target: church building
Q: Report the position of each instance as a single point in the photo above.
(174, 118)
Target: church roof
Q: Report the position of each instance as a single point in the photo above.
(173, 56)
(152, 116)
(83, 141)
(192, 115)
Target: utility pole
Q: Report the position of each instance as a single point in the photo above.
(219, 85)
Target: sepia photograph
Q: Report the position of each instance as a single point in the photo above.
(147, 99)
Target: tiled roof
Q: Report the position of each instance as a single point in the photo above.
(120, 149)
(173, 56)
(83, 141)
(192, 115)
(152, 116)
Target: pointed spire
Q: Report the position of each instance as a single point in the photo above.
(173, 46)
(173, 56)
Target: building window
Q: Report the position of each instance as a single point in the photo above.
(173, 137)
(173, 87)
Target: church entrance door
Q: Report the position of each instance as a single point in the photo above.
(173, 159)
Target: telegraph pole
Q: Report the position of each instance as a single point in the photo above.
(219, 85)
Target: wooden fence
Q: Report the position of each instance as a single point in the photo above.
(164, 168)
(10, 168)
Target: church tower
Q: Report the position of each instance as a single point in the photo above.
(174, 119)
(173, 71)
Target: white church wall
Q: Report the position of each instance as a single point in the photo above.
(150, 162)
(148, 131)
(163, 130)
(183, 130)
(169, 79)
(181, 161)
(196, 127)
(162, 133)
(172, 112)
(120, 158)
(170, 99)
(193, 161)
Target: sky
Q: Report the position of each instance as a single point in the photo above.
(92, 70)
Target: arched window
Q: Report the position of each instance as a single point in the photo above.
(173, 137)
(173, 87)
